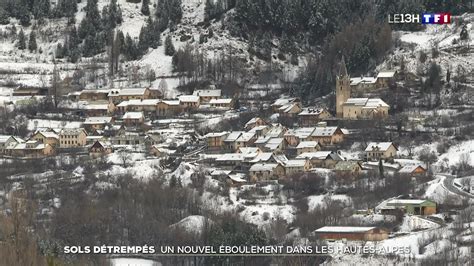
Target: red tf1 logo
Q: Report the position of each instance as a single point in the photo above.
(425, 18)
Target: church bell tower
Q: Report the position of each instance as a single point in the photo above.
(343, 88)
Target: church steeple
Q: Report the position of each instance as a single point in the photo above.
(342, 68)
(343, 88)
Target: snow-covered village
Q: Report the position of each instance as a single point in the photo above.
(236, 123)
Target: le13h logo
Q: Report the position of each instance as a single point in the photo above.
(425, 18)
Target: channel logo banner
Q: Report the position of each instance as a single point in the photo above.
(436, 18)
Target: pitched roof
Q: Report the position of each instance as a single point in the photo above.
(273, 143)
(137, 102)
(342, 68)
(321, 155)
(405, 201)
(295, 163)
(324, 131)
(207, 93)
(133, 115)
(307, 144)
(344, 229)
(72, 131)
(132, 92)
(220, 101)
(246, 136)
(49, 134)
(259, 167)
(233, 136)
(379, 146)
(262, 157)
(301, 133)
(408, 169)
(189, 98)
(366, 102)
(363, 80)
(345, 165)
(386, 74)
(230, 157)
(216, 134)
(97, 120)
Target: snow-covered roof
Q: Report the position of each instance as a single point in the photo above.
(366, 102)
(246, 136)
(189, 98)
(324, 131)
(137, 102)
(220, 101)
(207, 93)
(378, 146)
(238, 177)
(97, 106)
(72, 131)
(295, 163)
(363, 80)
(259, 167)
(171, 102)
(233, 136)
(283, 101)
(218, 172)
(307, 144)
(288, 107)
(4, 138)
(408, 169)
(273, 143)
(216, 134)
(344, 229)
(314, 155)
(375, 102)
(249, 150)
(97, 120)
(133, 115)
(258, 128)
(386, 74)
(405, 201)
(94, 91)
(356, 101)
(252, 121)
(262, 157)
(132, 92)
(230, 157)
(49, 134)
(301, 133)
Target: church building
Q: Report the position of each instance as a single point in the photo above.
(356, 108)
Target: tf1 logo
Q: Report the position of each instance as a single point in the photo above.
(425, 18)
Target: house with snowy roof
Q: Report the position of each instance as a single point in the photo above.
(325, 159)
(207, 95)
(307, 146)
(99, 149)
(380, 150)
(46, 137)
(266, 171)
(97, 122)
(325, 135)
(297, 166)
(32, 149)
(311, 116)
(133, 118)
(386, 78)
(190, 101)
(256, 121)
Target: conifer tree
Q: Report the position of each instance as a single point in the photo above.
(32, 46)
(21, 40)
(145, 7)
(169, 47)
